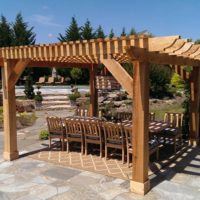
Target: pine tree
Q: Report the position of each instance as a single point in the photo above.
(87, 31)
(23, 35)
(72, 33)
(123, 32)
(6, 35)
(133, 32)
(100, 32)
(111, 35)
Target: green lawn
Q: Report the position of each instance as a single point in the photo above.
(161, 109)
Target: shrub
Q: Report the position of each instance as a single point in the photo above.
(38, 97)
(74, 96)
(87, 94)
(27, 119)
(176, 81)
(160, 77)
(44, 135)
(29, 90)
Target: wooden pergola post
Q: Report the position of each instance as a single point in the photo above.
(194, 106)
(11, 72)
(9, 111)
(93, 92)
(140, 183)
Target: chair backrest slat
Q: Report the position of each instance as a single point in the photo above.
(73, 126)
(113, 131)
(92, 128)
(54, 124)
(174, 119)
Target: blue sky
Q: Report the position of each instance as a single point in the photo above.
(160, 17)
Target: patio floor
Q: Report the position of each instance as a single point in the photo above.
(92, 163)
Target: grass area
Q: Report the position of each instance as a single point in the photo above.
(21, 97)
(162, 108)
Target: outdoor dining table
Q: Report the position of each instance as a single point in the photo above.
(155, 127)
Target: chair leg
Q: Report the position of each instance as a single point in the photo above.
(63, 144)
(101, 150)
(86, 148)
(128, 159)
(67, 146)
(106, 152)
(174, 144)
(123, 155)
(157, 154)
(49, 142)
(82, 147)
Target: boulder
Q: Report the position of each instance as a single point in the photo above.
(118, 103)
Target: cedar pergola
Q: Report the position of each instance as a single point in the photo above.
(139, 50)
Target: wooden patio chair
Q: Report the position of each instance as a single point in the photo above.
(153, 144)
(93, 134)
(60, 81)
(82, 112)
(122, 116)
(74, 132)
(114, 137)
(174, 132)
(56, 130)
(41, 81)
(174, 119)
(152, 116)
(51, 80)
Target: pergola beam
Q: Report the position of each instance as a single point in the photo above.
(136, 53)
(120, 74)
(16, 73)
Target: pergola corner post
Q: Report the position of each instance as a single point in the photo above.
(140, 183)
(9, 111)
(93, 92)
(194, 106)
(11, 72)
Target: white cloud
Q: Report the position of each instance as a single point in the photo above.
(45, 20)
(50, 35)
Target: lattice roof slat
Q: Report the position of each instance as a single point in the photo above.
(171, 50)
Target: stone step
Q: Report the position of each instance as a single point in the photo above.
(67, 102)
(56, 107)
(55, 98)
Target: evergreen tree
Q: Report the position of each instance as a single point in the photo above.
(100, 32)
(29, 90)
(72, 33)
(123, 32)
(133, 32)
(87, 31)
(6, 35)
(111, 35)
(197, 41)
(23, 35)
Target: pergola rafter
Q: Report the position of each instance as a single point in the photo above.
(139, 50)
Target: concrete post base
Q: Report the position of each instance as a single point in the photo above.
(140, 188)
(10, 156)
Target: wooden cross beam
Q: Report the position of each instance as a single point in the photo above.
(142, 54)
(16, 72)
(120, 74)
